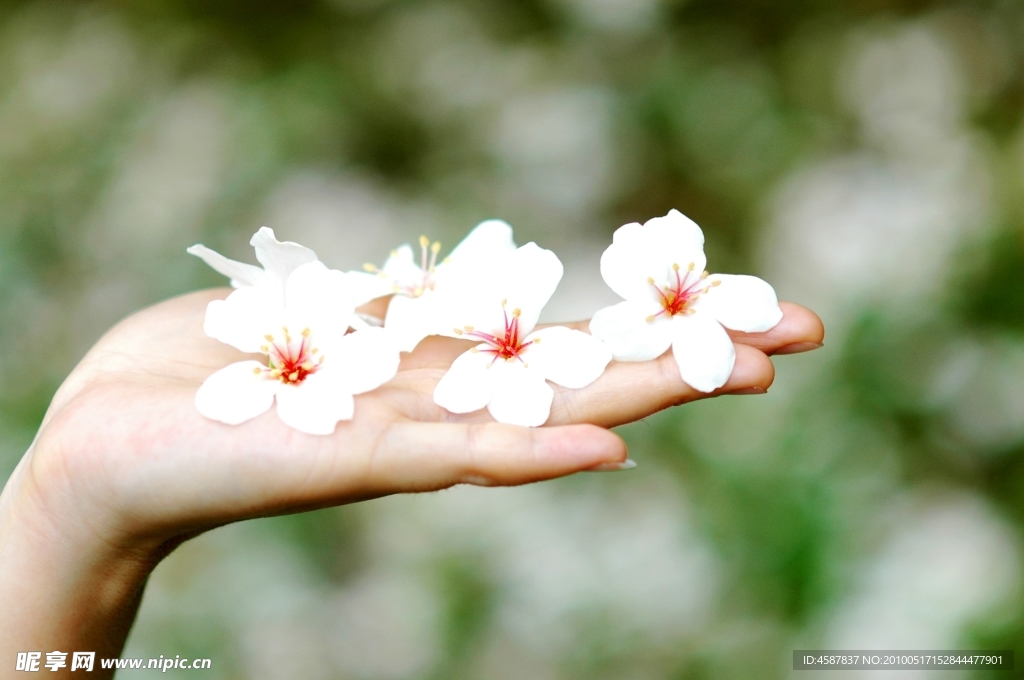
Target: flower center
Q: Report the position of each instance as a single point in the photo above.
(289, 361)
(425, 281)
(506, 346)
(678, 296)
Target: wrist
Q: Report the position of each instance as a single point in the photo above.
(66, 585)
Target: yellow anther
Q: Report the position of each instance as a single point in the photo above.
(516, 311)
(436, 247)
(458, 331)
(418, 291)
(469, 329)
(395, 288)
(650, 280)
(535, 341)
(675, 267)
(370, 267)
(264, 349)
(691, 266)
(305, 332)
(424, 241)
(525, 364)
(257, 371)
(293, 376)
(704, 275)
(269, 337)
(474, 350)
(504, 302)
(650, 318)
(716, 283)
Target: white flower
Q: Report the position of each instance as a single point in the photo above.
(670, 300)
(297, 315)
(425, 291)
(279, 260)
(507, 373)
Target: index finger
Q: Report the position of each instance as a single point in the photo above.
(800, 330)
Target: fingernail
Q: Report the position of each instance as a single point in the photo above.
(750, 390)
(796, 348)
(627, 464)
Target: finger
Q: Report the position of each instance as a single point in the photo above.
(799, 330)
(428, 456)
(629, 391)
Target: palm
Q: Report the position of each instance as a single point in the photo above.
(142, 451)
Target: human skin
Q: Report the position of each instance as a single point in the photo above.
(124, 469)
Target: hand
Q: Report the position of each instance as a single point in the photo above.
(124, 436)
(123, 459)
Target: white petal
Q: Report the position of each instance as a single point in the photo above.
(245, 317)
(522, 398)
(401, 268)
(675, 223)
(533, 275)
(320, 297)
(240, 273)
(367, 286)
(489, 239)
(628, 334)
(469, 383)
(742, 303)
(279, 258)
(235, 393)
(650, 251)
(703, 350)
(567, 357)
(525, 279)
(470, 266)
(675, 227)
(412, 319)
(315, 405)
(363, 360)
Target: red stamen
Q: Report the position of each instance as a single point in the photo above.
(677, 298)
(288, 363)
(508, 346)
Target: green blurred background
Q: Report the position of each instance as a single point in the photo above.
(864, 156)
